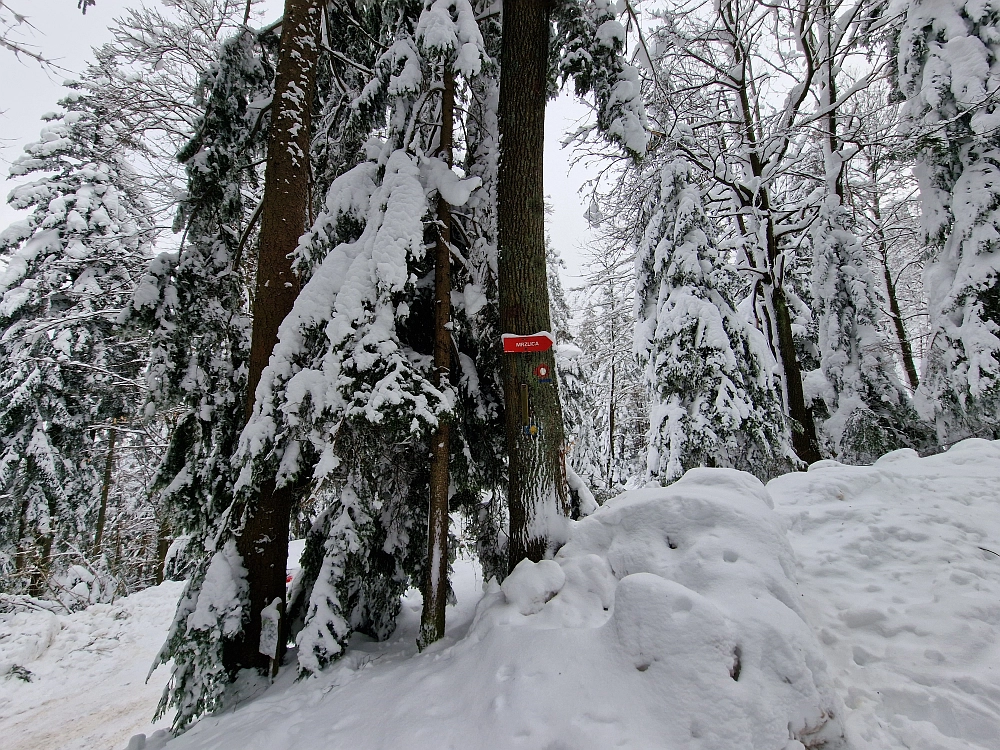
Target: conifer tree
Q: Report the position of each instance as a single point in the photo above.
(714, 65)
(350, 400)
(574, 371)
(713, 396)
(194, 302)
(620, 406)
(65, 372)
(867, 409)
(947, 72)
(583, 452)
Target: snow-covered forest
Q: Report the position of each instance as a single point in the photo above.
(299, 409)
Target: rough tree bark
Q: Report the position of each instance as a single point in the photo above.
(263, 543)
(804, 440)
(536, 493)
(164, 538)
(436, 586)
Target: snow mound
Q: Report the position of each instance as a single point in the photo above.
(669, 620)
(900, 566)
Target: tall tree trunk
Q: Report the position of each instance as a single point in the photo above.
(804, 440)
(163, 540)
(39, 579)
(905, 349)
(263, 543)
(102, 511)
(436, 586)
(536, 490)
(611, 418)
(23, 545)
(895, 312)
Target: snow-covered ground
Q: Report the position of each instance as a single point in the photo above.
(88, 672)
(899, 571)
(670, 620)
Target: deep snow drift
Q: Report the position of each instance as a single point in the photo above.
(670, 620)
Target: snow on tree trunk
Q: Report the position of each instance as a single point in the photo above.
(536, 491)
(263, 538)
(436, 587)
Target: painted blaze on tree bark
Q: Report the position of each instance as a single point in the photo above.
(263, 543)
(537, 496)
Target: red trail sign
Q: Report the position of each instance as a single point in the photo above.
(536, 342)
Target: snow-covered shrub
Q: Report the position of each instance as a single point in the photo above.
(78, 587)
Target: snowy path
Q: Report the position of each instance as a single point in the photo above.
(898, 569)
(902, 596)
(88, 689)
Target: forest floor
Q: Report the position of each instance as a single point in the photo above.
(88, 688)
(674, 618)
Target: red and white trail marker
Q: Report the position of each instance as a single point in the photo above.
(535, 342)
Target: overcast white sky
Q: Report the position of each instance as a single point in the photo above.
(65, 36)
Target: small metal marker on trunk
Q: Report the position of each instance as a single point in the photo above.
(529, 423)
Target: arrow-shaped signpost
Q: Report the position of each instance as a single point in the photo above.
(535, 342)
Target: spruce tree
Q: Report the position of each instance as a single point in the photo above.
(867, 409)
(576, 386)
(713, 396)
(194, 302)
(351, 399)
(66, 373)
(946, 70)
